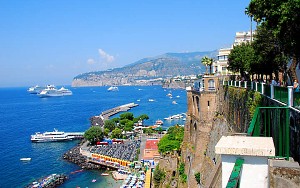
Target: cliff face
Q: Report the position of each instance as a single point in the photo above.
(147, 71)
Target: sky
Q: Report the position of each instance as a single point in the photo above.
(52, 41)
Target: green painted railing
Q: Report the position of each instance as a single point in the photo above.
(234, 179)
(267, 90)
(259, 88)
(273, 122)
(281, 94)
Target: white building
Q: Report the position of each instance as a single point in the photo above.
(220, 66)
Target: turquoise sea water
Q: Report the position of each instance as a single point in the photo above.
(23, 114)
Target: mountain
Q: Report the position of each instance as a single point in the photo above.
(154, 68)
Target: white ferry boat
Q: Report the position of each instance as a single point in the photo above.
(35, 89)
(53, 136)
(51, 91)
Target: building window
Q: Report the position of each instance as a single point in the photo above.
(211, 84)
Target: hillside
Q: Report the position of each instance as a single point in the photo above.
(155, 69)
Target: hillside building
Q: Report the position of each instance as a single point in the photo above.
(220, 66)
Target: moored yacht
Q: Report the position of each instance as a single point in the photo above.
(53, 136)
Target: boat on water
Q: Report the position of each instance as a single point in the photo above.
(168, 118)
(52, 91)
(105, 174)
(174, 102)
(159, 122)
(54, 136)
(25, 159)
(151, 100)
(35, 89)
(113, 88)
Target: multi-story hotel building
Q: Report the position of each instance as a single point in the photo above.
(220, 66)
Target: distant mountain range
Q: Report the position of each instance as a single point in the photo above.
(160, 67)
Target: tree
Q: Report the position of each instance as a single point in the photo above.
(127, 115)
(172, 140)
(207, 62)
(267, 52)
(106, 132)
(94, 134)
(116, 133)
(241, 58)
(143, 117)
(109, 124)
(282, 18)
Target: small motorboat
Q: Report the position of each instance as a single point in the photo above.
(104, 174)
(25, 159)
(94, 180)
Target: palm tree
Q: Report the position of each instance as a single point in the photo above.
(207, 62)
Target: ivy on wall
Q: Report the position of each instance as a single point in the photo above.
(241, 107)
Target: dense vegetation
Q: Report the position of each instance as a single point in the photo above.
(125, 122)
(158, 176)
(182, 175)
(113, 128)
(277, 40)
(94, 134)
(172, 140)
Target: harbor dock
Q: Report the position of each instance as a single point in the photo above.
(106, 114)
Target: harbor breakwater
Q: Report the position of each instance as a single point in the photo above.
(99, 120)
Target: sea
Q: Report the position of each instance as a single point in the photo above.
(22, 114)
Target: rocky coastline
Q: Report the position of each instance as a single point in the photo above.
(51, 181)
(74, 156)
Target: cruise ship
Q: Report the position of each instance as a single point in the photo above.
(35, 89)
(51, 91)
(54, 136)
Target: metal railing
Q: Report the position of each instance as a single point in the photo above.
(273, 122)
(269, 121)
(234, 179)
(285, 95)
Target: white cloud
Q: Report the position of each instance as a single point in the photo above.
(108, 58)
(91, 61)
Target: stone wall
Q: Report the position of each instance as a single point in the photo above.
(284, 177)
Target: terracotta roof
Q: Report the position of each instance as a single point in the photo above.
(152, 144)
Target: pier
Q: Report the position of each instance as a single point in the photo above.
(77, 135)
(106, 114)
